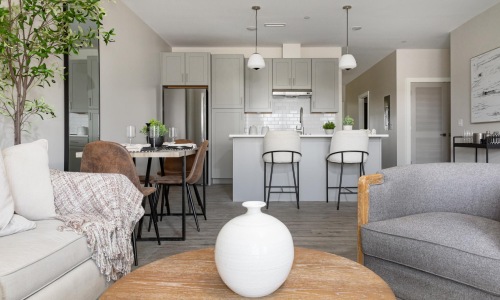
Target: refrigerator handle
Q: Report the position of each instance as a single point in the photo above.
(203, 135)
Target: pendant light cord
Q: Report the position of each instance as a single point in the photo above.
(347, 30)
(256, 31)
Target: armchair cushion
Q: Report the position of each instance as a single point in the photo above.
(27, 168)
(6, 201)
(464, 249)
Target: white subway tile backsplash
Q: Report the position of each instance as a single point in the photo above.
(286, 115)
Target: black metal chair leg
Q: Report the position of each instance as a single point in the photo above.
(340, 184)
(154, 217)
(265, 181)
(295, 184)
(167, 202)
(327, 181)
(134, 248)
(191, 204)
(139, 230)
(155, 198)
(198, 198)
(269, 188)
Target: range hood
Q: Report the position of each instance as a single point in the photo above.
(292, 93)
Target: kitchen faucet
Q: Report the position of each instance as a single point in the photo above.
(300, 127)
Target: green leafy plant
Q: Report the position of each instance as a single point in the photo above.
(32, 33)
(348, 120)
(329, 125)
(154, 122)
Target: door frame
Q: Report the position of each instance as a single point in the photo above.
(361, 102)
(407, 132)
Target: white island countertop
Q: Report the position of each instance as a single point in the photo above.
(238, 135)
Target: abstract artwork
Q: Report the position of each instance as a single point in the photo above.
(485, 87)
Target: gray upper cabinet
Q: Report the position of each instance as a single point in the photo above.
(93, 81)
(228, 89)
(259, 88)
(292, 73)
(78, 86)
(325, 84)
(179, 68)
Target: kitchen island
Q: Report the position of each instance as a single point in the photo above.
(248, 168)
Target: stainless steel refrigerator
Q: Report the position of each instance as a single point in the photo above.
(186, 110)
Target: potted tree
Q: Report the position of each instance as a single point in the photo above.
(162, 131)
(348, 122)
(329, 127)
(33, 34)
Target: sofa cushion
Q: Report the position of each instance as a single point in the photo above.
(28, 173)
(33, 259)
(459, 247)
(6, 201)
(17, 224)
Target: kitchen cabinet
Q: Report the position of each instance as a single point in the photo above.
(292, 73)
(259, 88)
(76, 144)
(78, 88)
(224, 123)
(178, 68)
(325, 85)
(228, 89)
(93, 81)
(93, 125)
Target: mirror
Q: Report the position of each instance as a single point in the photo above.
(81, 103)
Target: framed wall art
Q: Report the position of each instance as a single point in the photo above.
(485, 87)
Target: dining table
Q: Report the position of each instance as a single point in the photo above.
(161, 153)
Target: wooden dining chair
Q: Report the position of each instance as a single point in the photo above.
(192, 179)
(110, 157)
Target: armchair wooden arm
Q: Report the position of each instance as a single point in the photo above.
(364, 204)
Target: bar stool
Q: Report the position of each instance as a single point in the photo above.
(281, 147)
(347, 147)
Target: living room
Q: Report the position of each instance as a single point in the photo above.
(131, 91)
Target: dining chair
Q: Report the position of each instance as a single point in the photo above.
(110, 157)
(192, 178)
(347, 147)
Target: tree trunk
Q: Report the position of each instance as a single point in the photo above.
(17, 130)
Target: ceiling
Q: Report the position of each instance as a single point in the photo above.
(386, 24)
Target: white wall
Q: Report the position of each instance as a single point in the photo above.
(379, 81)
(477, 36)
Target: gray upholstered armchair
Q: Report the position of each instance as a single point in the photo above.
(433, 231)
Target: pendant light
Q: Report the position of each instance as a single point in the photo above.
(256, 61)
(347, 61)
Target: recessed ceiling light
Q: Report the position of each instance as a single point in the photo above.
(356, 28)
(274, 24)
(251, 28)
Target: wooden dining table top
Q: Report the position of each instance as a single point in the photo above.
(193, 275)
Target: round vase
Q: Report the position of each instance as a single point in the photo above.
(347, 127)
(158, 142)
(254, 252)
(328, 131)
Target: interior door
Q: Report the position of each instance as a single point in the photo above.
(430, 129)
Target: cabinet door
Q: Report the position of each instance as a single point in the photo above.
(78, 92)
(227, 81)
(172, 68)
(93, 81)
(259, 88)
(282, 73)
(301, 73)
(196, 68)
(93, 125)
(325, 81)
(224, 123)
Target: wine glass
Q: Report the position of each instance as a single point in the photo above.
(130, 133)
(172, 134)
(154, 133)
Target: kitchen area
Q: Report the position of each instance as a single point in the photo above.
(289, 93)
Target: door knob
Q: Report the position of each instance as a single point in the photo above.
(443, 134)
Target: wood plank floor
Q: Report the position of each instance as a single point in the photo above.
(316, 225)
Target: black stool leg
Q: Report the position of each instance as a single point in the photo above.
(270, 184)
(191, 204)
(265, 181)
(327, 181)
(295, 183)
(340, 183)
(198, 199)
(154, 216)
(139, 230)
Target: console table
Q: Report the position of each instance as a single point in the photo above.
(486, 146)
(193, 275)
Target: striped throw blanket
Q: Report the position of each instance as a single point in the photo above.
(103, 207)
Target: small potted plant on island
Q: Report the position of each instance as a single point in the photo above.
(329, 127)
(162, 131)
(348, 122)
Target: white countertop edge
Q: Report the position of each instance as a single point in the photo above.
(302, 136)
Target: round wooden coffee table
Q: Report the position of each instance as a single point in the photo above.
(193, 275)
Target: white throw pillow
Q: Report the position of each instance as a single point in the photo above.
(27, 167)
(17, 224)
(6, 201)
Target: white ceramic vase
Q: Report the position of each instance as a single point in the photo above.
(329, 131)
(254, 252)
(347, 127)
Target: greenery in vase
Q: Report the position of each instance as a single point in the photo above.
(348, 120)
(154, 122)
(32, 32)
(329, 125)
